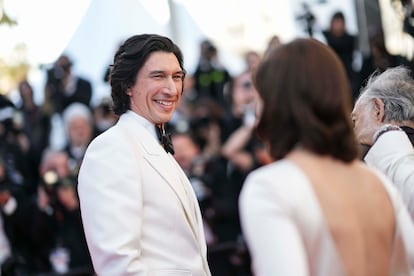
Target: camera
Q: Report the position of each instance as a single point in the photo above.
(51, 182)
(55, 76)
(59, 70)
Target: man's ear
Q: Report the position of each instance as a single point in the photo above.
(379, 109)
(129, 91)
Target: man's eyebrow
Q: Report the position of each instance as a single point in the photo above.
(180, 72)
(156, 72)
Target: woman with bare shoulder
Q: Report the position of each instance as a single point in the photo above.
(317, 209)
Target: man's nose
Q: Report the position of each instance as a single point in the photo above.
(170, 86)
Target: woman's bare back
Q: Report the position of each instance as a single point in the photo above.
(357, 210)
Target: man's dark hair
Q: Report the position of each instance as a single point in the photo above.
(306, 100)
(338, 15)
(130, 58)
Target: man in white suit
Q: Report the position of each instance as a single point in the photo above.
(384, 121)
(140, 214)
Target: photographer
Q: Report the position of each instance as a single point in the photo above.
(210, 75)
(14, 146)
(57, 226)
(16, 247)
(14, 192)
(345, 45)
(63, 87)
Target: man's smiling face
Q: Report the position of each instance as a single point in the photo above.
(157, 89)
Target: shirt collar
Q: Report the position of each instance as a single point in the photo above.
(143, 122)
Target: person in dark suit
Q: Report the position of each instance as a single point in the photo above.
(139, 212)
(63, 87)
(344, 44)
(210, 75)
(57, 229)
(79, 127)
(15, 245)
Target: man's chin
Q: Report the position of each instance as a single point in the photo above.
(163, 120)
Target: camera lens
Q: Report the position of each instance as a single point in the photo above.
(50, 178)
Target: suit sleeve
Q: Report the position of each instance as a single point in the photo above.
(112, 206)
(403, 254)
(393, 155)
(271, 235)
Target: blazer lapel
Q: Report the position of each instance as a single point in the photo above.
(156, 157)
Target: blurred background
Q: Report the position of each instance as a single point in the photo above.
(35, 33)
(55, 57)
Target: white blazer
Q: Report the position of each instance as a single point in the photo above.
(139, 212)
(393, 154)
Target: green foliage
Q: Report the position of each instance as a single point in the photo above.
(4, 18)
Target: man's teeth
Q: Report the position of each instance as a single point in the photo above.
(164, 103)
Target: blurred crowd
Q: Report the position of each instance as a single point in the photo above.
(42, 146)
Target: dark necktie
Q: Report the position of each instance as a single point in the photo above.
(165, 139)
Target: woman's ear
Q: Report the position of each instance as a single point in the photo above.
(379, 110)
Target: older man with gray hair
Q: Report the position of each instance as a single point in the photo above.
(383, 119)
